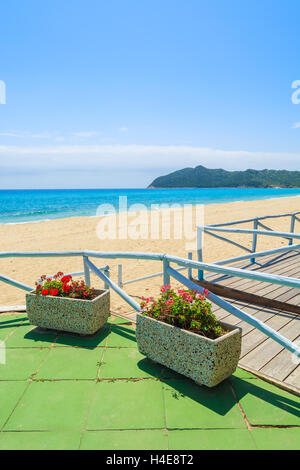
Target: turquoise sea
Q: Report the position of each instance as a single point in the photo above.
(20, 206)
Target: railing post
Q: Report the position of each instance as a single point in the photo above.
(200, 233)
(107, 273)
(254, 239)
(86, 269)
(166, 276)
(120, 275)
(292, 229)
(190, 270)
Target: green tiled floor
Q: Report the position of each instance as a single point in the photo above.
(21, 363)
(63, 391)
(129, 440)
(40, 440)
(275, 407)
(215, 439)
(71, 363)
(127, 405)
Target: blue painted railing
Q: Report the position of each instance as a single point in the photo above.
(226, 229)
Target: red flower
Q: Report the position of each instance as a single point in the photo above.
(53, 292)
(45, 292)
(66, 288)
(66, 278)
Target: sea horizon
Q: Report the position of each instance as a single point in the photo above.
(18, 206)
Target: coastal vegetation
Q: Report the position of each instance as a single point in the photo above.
(201, 177)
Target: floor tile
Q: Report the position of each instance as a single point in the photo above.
(120, 321)
(264, 403)
(244, 374)
(40, 440)
(124, 440)
(129, 363)
(10, 393)
(277, 438)
(18, 318)
(9, 323)
(21, 363)
(30, 337)
(71, 363)
(52, 406)
(89, 341)
(122, 336)
(6, 330)
(212, 439)
(189, 405)
(127, 405)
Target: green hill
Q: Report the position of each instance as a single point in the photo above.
(201, 177)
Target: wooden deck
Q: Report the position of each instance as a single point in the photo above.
(261, 354)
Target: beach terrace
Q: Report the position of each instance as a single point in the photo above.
(64, 391)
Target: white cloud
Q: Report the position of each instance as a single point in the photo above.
(139, 157)
(296, 125)
(123, 129)
(86, 133)
(24, 134)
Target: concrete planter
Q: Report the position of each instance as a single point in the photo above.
(206, 361)
(66, 314)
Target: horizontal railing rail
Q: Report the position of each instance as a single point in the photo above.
(264, 217)
(148, 276)
(76, 273)
(270, 233)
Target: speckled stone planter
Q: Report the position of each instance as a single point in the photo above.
(74, 315)
(206, 361)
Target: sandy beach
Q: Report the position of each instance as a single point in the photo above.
(79, 233)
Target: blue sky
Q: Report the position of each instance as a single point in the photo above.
(114, 93)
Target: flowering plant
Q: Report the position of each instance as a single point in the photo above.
(185, 309)
(62, 285)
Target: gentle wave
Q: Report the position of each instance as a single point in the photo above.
(28, 206)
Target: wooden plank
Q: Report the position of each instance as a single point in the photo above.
(263, 353)
(264, 287)
(281, 365)
(280, 264)
(294, 378)
(295, 300)
(247, 296)
(254, 338)
(235, 282)
(262, 315)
